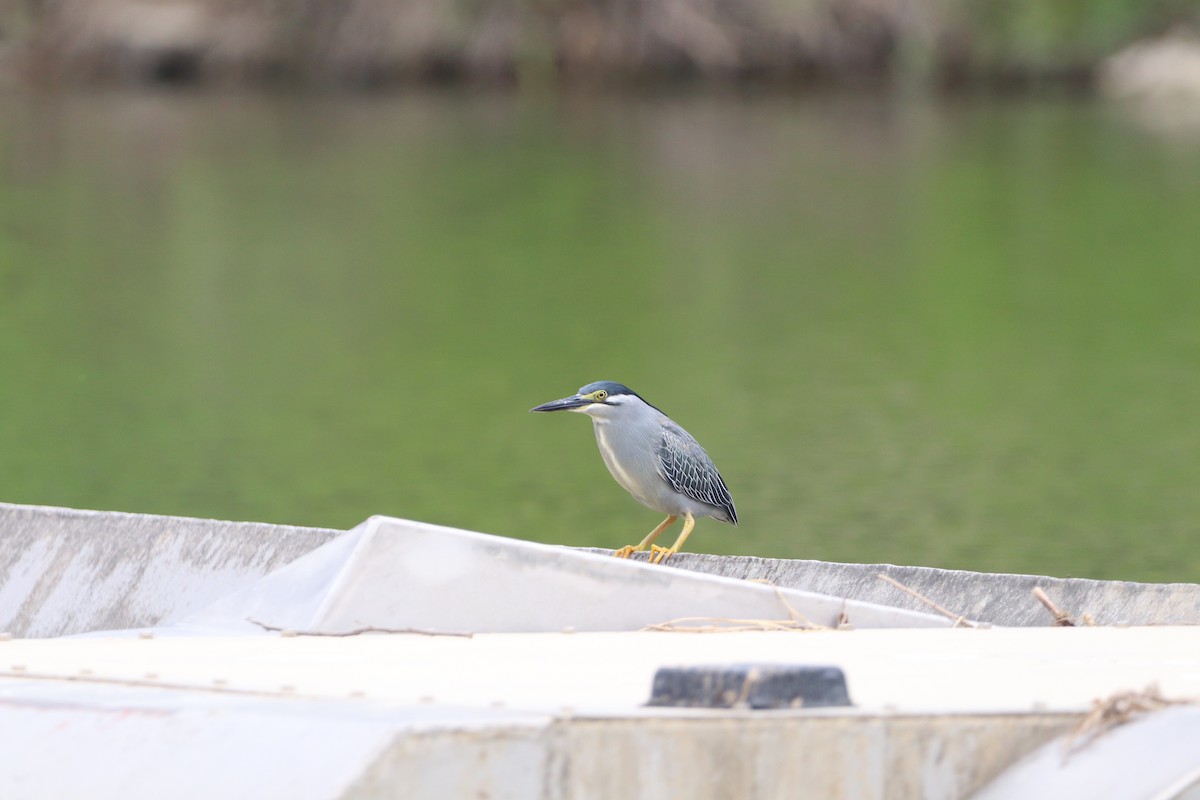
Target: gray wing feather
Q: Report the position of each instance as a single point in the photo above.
(685, 465)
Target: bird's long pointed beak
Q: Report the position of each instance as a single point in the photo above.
(565, 404)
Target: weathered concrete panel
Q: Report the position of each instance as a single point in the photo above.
(494, 762)
(64, 571)
(1001, 599)
(768, 756)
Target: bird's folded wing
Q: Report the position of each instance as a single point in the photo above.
(684, 464)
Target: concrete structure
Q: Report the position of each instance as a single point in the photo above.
(200, 701)
(65, 571)
(938, 713)
(996, 598)
(398, 574)
(1151, 756)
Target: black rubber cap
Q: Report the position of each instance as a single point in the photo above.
(758, 686)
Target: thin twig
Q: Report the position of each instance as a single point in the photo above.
(1061, 618)
(794, 613)
(730, 625)
(843, 619)
(358, 631)
(796, 621)
(959, 619)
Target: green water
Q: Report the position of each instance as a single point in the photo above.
(962, 335)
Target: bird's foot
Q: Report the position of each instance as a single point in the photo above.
(658, 554)
(624, 552)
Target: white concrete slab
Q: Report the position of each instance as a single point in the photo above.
(939, 712)
(391, 573)
(938, 671)
(112, 742)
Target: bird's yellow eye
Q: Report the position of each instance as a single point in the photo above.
(600, 395)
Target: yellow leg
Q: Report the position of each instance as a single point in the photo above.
(660, 554)
(625, 551)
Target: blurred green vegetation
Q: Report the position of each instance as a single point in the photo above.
(1036, 38)
(955, 334)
